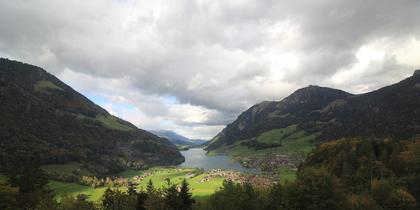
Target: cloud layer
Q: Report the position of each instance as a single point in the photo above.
(193, 66)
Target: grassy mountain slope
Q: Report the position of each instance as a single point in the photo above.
(273, 115)
(42, 115)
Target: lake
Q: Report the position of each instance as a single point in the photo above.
(197, 158)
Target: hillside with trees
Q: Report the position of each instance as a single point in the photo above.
(313, 115)
(350, 174)
(42, 115)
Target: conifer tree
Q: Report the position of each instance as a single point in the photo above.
(150, 188)
(185, 196)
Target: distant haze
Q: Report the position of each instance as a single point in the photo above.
(193, 66)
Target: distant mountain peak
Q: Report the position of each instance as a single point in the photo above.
(315, 89)
(176, 138)
(314, 93)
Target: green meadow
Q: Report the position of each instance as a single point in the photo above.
(294, 143)
(158, 177)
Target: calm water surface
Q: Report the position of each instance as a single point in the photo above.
(197, 158)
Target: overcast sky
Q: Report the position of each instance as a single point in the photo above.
(193, 66)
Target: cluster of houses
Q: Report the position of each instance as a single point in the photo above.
(141, 177)
(214, 173)
(269, 163)
(94, 182)
(256, 179)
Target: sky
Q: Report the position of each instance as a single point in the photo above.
(192, 66)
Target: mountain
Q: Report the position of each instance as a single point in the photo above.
(177, 139)
(315, 114)
(269, 115)
(42, 115)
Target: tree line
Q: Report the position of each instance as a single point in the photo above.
(349, 174)
(26, 188)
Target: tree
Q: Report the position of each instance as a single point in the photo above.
(131, 189)
(8, 197)
(141, 200)
(401, 199)
(361, 202)
(318, 189)
(274, 197)
(185, 196)
(172, 199)
(247, 198)
(234, 196)
(24, 173)
(108, 198)
(117, 200)
(150, 188)
(155, 201)
(76, 203)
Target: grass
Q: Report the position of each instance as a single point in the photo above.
(108, 121)
(3, 178)
(290, 138)
(294, 143)
(182, 147)
(199, 190)
(130, 173)
(44, 85)
(177, 175)
(286, 174)
(112, 122)
(63, 188)
(275, 135)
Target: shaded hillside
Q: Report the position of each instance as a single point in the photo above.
(269, 115)
(392, 111)
(42, 115)
(280, 133)
(177, 139)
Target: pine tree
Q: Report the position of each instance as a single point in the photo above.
(108, 199)
(131, 188)
(150, 188)
(172, 198)
(24, 173)
(185, 196)
(141, 199)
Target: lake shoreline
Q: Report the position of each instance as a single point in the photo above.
(198, 158)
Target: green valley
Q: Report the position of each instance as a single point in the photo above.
(278, 148)
(158, 177)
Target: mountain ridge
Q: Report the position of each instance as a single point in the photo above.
(45, 116)
(269, 115)
(313, 115)
(178, 139)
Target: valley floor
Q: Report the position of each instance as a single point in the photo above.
(201, 185)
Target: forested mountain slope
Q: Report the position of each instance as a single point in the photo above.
(42, 115)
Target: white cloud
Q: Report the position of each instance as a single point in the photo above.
(193, 66)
